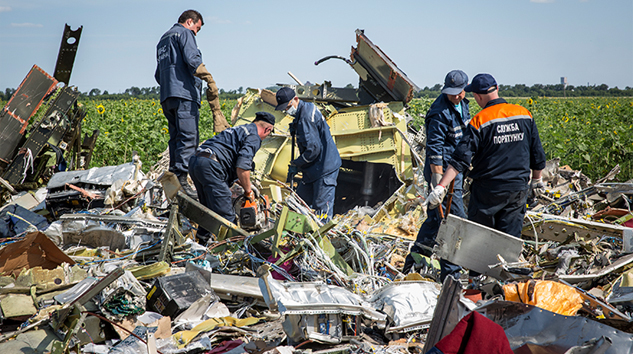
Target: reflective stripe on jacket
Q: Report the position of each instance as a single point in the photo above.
(503, 146)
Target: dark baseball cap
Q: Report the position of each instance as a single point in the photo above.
(284, 95)
(455, 82)
(265, 116)
(482, 83)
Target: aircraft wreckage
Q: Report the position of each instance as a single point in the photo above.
(104, 260)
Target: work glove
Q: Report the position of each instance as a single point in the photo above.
(435, 179)
(250, 195)
(435, 197)
(219, 121)
(537, 187)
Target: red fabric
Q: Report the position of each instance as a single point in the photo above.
(475, 334)
(225, 346)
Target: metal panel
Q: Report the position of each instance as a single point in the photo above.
(529, 324)
(15, 115)
(55, 122)
(475, 246)
(378, 72)
(66, 55)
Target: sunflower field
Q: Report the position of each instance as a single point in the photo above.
(136, 125)
(588, 134)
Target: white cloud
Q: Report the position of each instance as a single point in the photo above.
(26, 24)
(5, 9)
(542, 1)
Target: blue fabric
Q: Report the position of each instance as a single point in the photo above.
(320, 194)
(209, 178)
(428, 233)
(318, 153)
(235, 147)
(178, 57)
(15, 220)
(434, 350)
(444, 130)
(182, 117)
(500, 164)
(503, 211)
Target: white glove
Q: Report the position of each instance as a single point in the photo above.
(435, 197)
(537, 187)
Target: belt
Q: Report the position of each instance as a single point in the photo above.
(207, 154)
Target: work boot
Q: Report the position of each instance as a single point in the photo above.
(186, 187)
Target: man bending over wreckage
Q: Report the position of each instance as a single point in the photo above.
(224, 159)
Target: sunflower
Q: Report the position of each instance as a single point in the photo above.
(165, 130)
(100, 109)
(160, 111)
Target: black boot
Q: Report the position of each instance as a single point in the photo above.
(186, 187)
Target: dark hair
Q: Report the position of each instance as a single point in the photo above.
(190, 14)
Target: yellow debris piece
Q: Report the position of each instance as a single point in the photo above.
(183, 338)
(548, 295)
(150, 271)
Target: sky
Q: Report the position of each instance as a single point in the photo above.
(255, 43)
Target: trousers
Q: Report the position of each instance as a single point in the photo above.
(182, 117)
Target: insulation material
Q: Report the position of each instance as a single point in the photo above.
(548, 295)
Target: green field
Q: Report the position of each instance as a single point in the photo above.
(588, 134)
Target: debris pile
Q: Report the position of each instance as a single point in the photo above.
(106, 260)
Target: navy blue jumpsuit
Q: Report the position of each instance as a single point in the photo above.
(319, 161)
(178, 57)
(445, 128)
(213, 176)
(503, 146)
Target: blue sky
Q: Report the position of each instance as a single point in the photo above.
(255, 43)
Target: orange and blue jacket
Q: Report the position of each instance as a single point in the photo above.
(503, 146)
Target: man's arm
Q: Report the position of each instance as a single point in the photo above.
(244, 179)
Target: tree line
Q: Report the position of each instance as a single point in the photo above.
(540, 90)
(519, 90)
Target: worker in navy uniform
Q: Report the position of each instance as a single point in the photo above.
(179, 72)
(319, 160)
(504, 148)
(444, 124)
(225, 159)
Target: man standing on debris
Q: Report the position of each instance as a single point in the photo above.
(504, 147)
(445, 123)
(179, 72)
(224, 159)
(319, 160)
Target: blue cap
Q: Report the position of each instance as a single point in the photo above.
(455, 82)
(265, 116)
(482, 83)
(284, 95)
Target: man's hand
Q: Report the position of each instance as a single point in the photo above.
(250, 195)
(435, 179)
(537, 187)
(435, 197)
(293, 169)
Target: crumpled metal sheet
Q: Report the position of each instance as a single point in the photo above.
(530, 324)
(409, 304)
(103, 176)
(315, 298)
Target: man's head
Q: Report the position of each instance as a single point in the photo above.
(484, 88)
(454, 84)
(286, 98)
(265, 123)
(191, 19)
